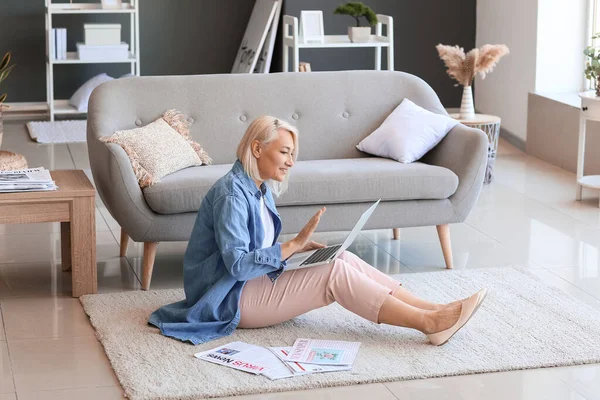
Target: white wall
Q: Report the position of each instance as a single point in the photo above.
(561, 38)
(504, 92)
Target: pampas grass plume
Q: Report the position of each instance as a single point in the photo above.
(463, 67)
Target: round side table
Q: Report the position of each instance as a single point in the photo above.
(490, 124)
(590, 110)
(10, 161)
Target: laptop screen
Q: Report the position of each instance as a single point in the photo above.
(358, 227)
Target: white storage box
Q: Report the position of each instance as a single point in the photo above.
(103, 53)
(102, 34)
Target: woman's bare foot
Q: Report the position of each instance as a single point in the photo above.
(442, 319)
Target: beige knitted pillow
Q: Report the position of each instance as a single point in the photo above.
(160, 148)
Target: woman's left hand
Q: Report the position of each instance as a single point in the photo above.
(311, 245)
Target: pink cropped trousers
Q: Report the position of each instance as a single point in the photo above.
(350, 281)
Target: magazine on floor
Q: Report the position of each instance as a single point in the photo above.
(26, 180)
(303, 368)
(249, 358)
(323, 352)
(269, 362)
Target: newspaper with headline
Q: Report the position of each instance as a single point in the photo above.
(24, 180)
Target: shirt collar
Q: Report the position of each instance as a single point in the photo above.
(238, 170)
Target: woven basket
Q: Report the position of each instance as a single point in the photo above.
(11, 161)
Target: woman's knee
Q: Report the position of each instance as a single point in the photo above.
(337, 267)
(347, 255)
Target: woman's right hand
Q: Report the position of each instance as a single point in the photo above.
(303, 238)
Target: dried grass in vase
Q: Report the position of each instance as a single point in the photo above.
(463, 67)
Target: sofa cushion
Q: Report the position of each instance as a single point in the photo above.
(408, 133)
(315, 182)
(160, 148)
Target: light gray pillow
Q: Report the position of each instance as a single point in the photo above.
(80, 99)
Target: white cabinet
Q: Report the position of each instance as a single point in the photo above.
(61, 106)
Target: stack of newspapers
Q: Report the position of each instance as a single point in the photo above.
(306, 356)
(26, 180)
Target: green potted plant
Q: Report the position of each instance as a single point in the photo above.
(592, 66)
(5, 69)
(357, 9)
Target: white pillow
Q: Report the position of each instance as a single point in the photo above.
(80, 99)
(407, 133)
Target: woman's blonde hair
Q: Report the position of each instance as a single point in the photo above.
(265, 130)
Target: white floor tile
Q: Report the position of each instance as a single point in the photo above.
(6, 375)
(533, 230)
(46, 247)
(2, 332)
(552, 279)
(46, 279)
(583, 378)
(585, 277)
(513, 385)
(100, 393)
(60, 363)
(37, 318)
(358, 392)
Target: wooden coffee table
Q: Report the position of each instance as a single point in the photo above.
(73, 206)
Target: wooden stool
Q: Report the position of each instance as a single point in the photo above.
(11, 161)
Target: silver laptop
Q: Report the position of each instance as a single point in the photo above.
(328, 254)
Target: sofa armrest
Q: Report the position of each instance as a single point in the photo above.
(119, 189)
(463, 151)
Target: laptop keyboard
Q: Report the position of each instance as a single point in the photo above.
(321, 254)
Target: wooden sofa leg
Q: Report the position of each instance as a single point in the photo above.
(148, 263)
(444, 235)
(124, 243)
(396, 233)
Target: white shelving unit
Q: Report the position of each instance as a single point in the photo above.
(378, 41)
(62, 107)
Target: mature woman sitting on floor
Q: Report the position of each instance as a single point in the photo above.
(234, 269)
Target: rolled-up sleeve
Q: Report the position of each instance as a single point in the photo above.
(231, 215)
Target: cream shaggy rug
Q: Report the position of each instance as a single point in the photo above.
(522, 324)
(58, 131)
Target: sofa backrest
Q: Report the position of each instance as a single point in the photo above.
(333, 111)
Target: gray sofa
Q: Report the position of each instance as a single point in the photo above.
(333, 112)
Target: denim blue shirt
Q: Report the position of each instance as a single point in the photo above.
(222, 254)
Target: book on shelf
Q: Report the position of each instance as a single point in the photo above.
(26, 180)
(58, 43)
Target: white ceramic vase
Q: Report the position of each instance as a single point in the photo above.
(1, 126)
(359, 34)
(467, 108)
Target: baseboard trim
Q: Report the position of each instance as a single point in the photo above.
(513, 139)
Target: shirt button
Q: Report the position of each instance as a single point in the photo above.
(295, 116)
(138, 122)
(345, 114)
(243, 118)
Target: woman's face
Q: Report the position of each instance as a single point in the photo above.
(275, 159)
